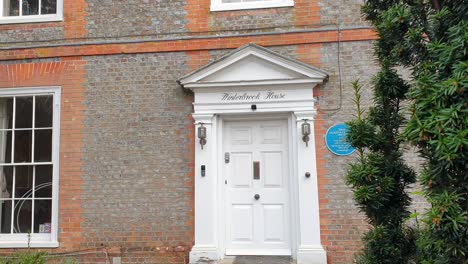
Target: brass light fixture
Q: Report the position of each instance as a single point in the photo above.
(202, 135)
(305, 132)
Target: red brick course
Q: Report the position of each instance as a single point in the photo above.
(188, 45)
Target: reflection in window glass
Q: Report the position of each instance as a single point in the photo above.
(48, 7)
(24, 8)
(6, 112)
(24, 106)
(43, 115)
(30, 7)
(24, 181)
(23, 146)
(22, 216)
(6, 182)
(5, 146)
(42, 216)
(43, 145)
(5, 216)
(10, 7)
(43, 184)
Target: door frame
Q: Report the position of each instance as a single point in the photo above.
(209, 217)
(254, 80)
(292, 203)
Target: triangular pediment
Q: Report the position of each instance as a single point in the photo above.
(252, 65)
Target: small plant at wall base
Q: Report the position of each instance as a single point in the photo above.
(27, 257)
(32, 257)
(379, 177)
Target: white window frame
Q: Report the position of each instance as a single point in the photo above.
(218, 5)
(40, 240)
(33, 18)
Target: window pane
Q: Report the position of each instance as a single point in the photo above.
(6, 182)
(6, 112)
(43, 111)
(30, 7)
(49, 7)
(5, 217)
(23, 141)
(11, 8)
(43, 145)
(43, 182)
(23, 182)
(22, 216)
(5, 146)
(23, 117)
(42, 216)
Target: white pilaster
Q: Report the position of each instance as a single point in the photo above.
(310, 250)
(206, 214)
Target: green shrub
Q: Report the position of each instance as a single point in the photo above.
(25, 258)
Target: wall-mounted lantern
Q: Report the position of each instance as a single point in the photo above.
(305, 132)
(202, 134)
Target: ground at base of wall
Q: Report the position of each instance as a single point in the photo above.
(257, 260)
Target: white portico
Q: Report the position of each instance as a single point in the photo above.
(255, 176)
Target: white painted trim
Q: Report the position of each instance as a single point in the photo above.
(310, 250)
(297, 104)
(311, 255)
(56, 161)
(196, 79)
(33, 244)
(37, 239)
(203, 254)
(294, 198)
(259, 82)
(218, 5)
(34, 18)
(304, 211)
(206, 211)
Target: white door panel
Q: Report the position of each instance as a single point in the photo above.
(272, 166)
(242, 223)
(257, 226)
(240, 167)
(273, 227)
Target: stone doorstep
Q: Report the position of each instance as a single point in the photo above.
(257, 260)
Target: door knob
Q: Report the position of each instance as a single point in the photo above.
(257, 196)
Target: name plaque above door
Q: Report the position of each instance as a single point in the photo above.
(252, 96)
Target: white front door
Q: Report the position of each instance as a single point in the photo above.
(257, 193)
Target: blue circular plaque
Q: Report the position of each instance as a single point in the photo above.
(336, 140)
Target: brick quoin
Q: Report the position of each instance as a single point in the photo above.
(306, 12)
(333, 239)
(74, 15)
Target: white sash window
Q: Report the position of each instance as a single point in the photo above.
(24, 11)
(29, 138)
